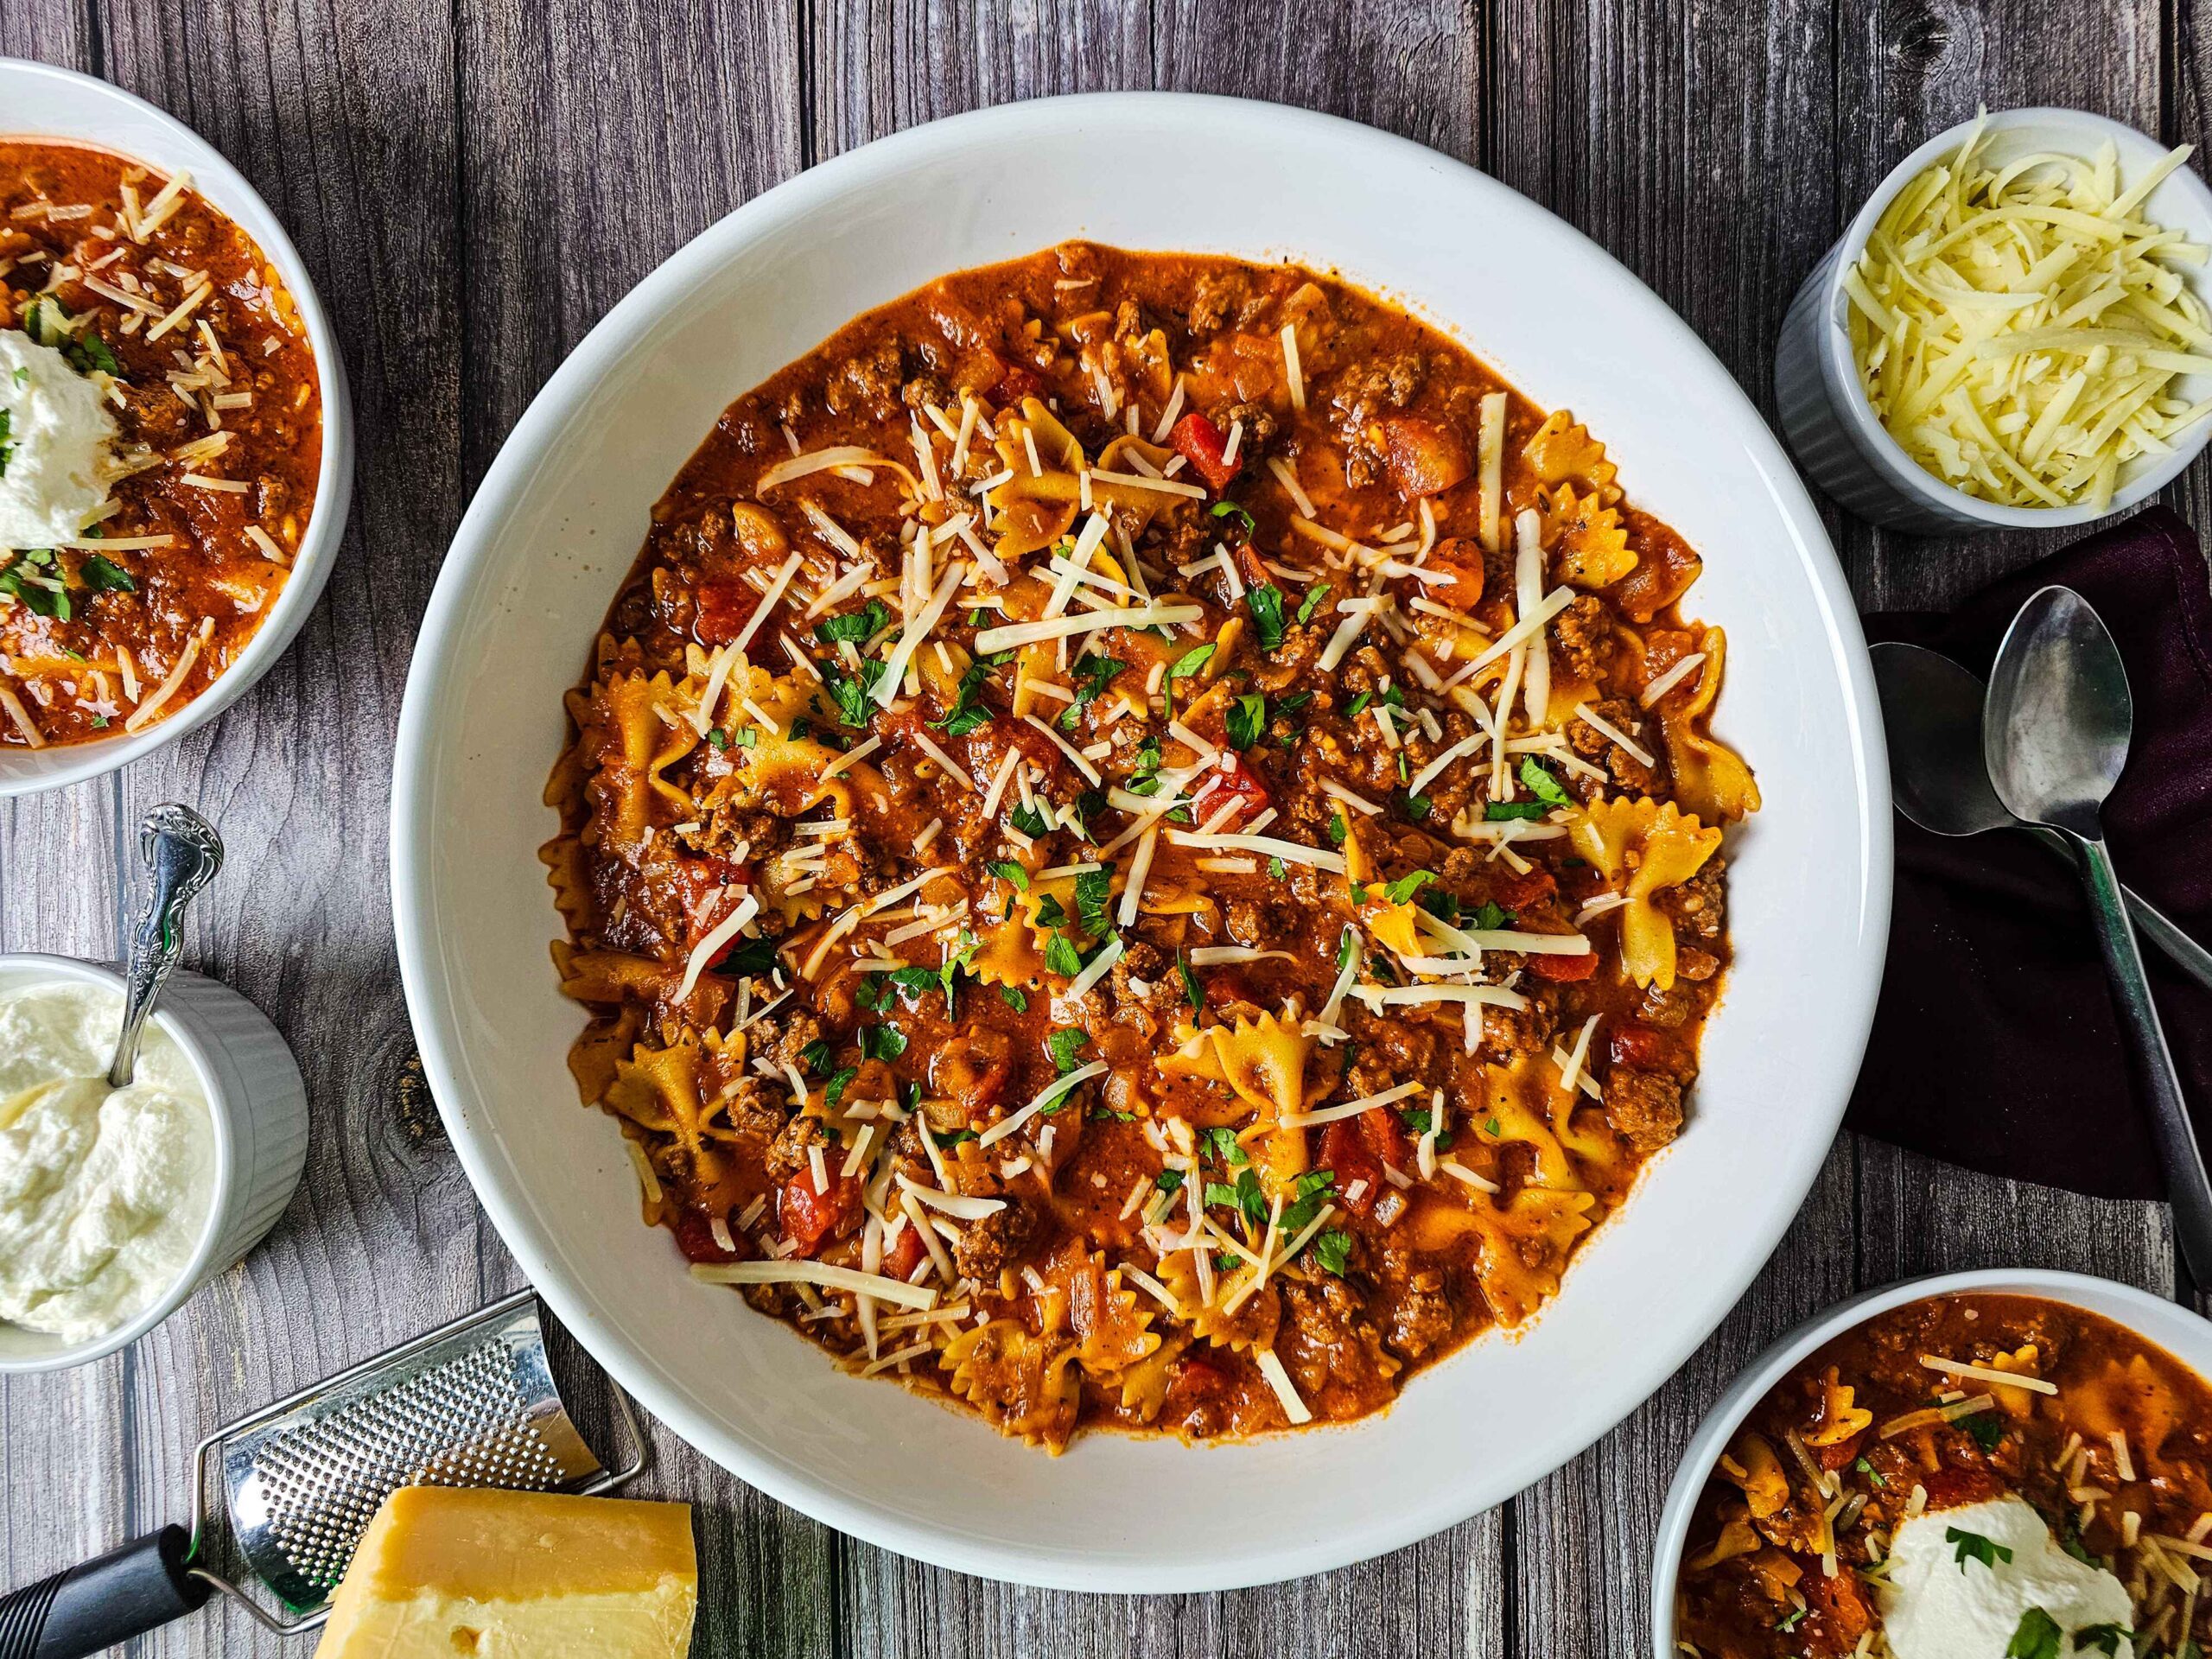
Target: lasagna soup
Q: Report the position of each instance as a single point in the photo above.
(1142, 845)
(161, 435)
(1966, 1476)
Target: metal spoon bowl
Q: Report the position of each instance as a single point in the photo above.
(1931, 711)
(2055, 733)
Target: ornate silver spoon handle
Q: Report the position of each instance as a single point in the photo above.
(183, 852)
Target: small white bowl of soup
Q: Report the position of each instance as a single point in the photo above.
(177, 460)
(1903, 452)
(117, 1204)
(1988, 1458)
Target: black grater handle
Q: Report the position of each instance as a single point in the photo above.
(97, 1604)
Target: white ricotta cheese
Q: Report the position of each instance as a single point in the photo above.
(103, 1192)
(1940, 1606)
(56, 445)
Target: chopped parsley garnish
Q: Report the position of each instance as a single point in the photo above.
(1007, 871)
(751, 956)
(2105, 1638)
(1169, 1180)
(1245, 1198)
(852, 692)
(1265, 603)
(1094, 891)
(1338, 829)
(1790, 1620)
(967, 711)
(1417, 807)
(1490, 918)
(1066, 1044)
(1248, 720)
(1094, 674)
(1190, 661)
(1028, 820)
(1061, 957)
(1314, 1188)
(1870, 1471)
(1230, 510)
(1402, 890)
(859, 627)
(1014, 998)
(2038, 1637)
(1541, 783)
(1332, 1250)
(1312, 603)
(1347, 953)
(34, 579)
(885, 1043)
(1145, 779)
(834, 1090)
(1277, 870)
(1049, 913)
(1971, 1545)
(1987, 1428)
(718, 737)
(89, 353)
(1221, 1141)
(7, 449)
(817, 1055)
(873, 996)
(1499, 811)
(1196, 997)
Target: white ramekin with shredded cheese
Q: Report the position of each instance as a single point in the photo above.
(2011, 332)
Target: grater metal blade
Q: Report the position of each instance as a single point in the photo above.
(473, 1404)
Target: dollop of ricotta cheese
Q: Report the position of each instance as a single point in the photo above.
(56, 452)
(1940, 1604)
(103, 1192)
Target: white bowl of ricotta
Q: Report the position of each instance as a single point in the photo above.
(1960, 1618)
(117, 1204)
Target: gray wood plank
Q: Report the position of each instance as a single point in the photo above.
(1413, 68)
(595, 139)
(1695, 145)
(65, 1440)
(344, 119)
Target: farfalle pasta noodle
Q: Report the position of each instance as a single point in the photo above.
(1113, 859)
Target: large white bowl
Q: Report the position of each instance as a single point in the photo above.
(557, 521)
(40, 101)
(2176, 1329)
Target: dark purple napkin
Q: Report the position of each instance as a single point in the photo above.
(1994, 1045)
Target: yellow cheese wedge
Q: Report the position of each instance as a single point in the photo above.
(445, 1571)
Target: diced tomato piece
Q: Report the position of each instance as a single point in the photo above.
(1840, 1455)
(698, 876)
(1422, 458)
(1344, 1150)
(1519, 892)
(1643, 1049)
(1839, 1614)
(695, 1236)
(1225, 987)
(1233, 780)
(1016, 383)
(1199, 442)
(725, 606)
(1564, 970)
(1954, 1485)
(808, 1218)
(1386, 1137)
(905, 1253)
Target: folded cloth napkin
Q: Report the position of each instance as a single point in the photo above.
(1995, 1045)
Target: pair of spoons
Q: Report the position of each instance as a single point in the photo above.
(2041, 749)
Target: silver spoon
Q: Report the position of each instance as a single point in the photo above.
(1931, 711)
(183, 852)
(2055, 731)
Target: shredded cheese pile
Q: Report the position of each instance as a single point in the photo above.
(2021, 329)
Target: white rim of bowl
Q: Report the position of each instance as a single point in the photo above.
(433, 666)
(1751, 1384)
(222, 184)
(1840, 368)
(201, 1260)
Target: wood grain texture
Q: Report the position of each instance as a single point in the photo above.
(473, 183)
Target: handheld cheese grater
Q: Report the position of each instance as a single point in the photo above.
(472, 1403)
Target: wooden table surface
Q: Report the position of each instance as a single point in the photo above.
(472, 183)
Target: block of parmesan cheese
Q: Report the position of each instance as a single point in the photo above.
(445, 1570)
